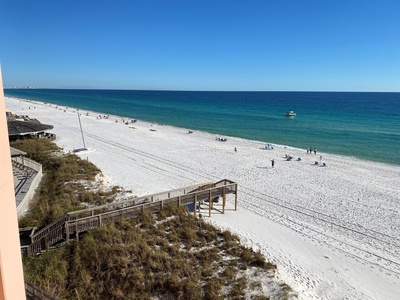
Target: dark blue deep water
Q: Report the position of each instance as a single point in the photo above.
(362, 125)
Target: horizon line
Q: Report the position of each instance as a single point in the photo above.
(173, 90)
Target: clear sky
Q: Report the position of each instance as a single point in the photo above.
(264, 45)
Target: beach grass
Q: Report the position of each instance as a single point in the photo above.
(68, 183)
(171, 255)
(148, 257)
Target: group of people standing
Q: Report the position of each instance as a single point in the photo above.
(311, 150)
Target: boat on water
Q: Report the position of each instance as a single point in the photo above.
(290, 113)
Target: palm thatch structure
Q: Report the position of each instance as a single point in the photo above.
(23, 127)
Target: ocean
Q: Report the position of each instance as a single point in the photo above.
(360, 125)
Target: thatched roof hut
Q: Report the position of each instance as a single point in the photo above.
(24, 127)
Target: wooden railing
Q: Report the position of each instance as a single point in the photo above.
(72, 224)
(47, 236)
(32, 292)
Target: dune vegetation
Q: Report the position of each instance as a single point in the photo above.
(169, 255)
(68, 183)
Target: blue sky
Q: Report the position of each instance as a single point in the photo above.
(283, 45)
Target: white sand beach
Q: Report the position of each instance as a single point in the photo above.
(334, 231)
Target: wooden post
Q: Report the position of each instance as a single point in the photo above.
(236, 197)
(199, 202)
(223, 200)
(99, 220)
(195, 204)
(209, 203)
(46, 242)
(66, 231)
(76, 231)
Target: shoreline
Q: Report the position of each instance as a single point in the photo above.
(289, 147)
(331, 230)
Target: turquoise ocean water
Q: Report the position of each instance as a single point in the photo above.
(361, 125)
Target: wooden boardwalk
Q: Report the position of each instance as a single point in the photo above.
(72, 224)
(33, 292)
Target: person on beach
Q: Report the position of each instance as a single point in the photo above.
(272, 162)
(235, 149)
(315, 151)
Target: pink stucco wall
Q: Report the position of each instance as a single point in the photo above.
(11, 274)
